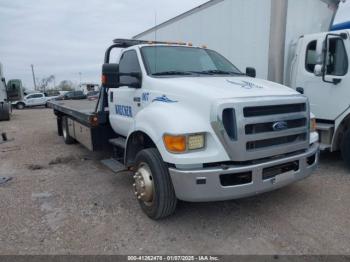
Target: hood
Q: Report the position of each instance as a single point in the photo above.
(223, 87)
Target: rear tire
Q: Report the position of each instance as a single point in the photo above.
(345, 148)
(163, 201)
(5, 111)
(20, 106)
(65, 132)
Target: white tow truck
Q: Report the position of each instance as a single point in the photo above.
(5, 106)
(191, 126)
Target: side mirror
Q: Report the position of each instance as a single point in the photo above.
(344, 36)
(3, 79)
(250, 71)
(132, 79)
(110, 75)
(318, 71)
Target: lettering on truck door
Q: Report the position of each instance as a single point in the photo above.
(124, 102)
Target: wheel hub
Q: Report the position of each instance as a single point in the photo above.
(143, 185)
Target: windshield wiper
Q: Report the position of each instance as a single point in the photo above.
(218, 72)
(170, 73)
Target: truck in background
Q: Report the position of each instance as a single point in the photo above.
(300, 53)
(89, 87)
(320, 70)
(191, 126)
(5, 106)
(15, 91)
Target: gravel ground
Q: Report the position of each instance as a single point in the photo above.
(63, 201)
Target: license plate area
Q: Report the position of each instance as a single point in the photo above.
(281, 172)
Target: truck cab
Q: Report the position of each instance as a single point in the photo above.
(5, 106)
(197, 126)
(320, 70)
(15, 90)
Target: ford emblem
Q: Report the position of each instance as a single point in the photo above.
(279, 126)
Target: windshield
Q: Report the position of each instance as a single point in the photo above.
(170, 60)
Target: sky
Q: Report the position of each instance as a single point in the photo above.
(65, 38)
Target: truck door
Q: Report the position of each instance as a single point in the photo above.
(124, 102)
(30, 100)
(328, 92)
(41, 100)
(36, 100)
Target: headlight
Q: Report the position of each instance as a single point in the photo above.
(195, 142)
(313, 125)
(184, 143)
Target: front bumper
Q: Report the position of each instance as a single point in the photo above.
(203, 185)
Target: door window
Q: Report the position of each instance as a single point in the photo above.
(129, 63)
(35, 96)
(311, 56)
(337, 59)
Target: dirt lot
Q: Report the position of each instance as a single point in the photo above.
(63, 201)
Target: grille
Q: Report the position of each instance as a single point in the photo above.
(228, 119)
(275, 141)
(268, 127)
(277, 126)
(273, 110)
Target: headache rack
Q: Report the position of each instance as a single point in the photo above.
(125, 43)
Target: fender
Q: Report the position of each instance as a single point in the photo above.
(160, 118)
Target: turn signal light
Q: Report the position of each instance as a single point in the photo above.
(175, 144)
(94, 120)
(313, 125)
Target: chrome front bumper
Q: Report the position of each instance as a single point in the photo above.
(189, 184)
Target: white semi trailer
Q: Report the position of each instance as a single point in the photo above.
(5, 106)
(257, 33)
(287, 42)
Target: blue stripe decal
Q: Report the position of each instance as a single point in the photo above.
(164, 99)
(341, 26)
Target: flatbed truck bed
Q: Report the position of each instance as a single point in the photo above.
(81, 110)
(85, 123)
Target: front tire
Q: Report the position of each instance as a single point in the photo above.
(20, 106)
(65, 132)
(153, 186)
(345, 148)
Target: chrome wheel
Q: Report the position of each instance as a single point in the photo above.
(144, 185)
